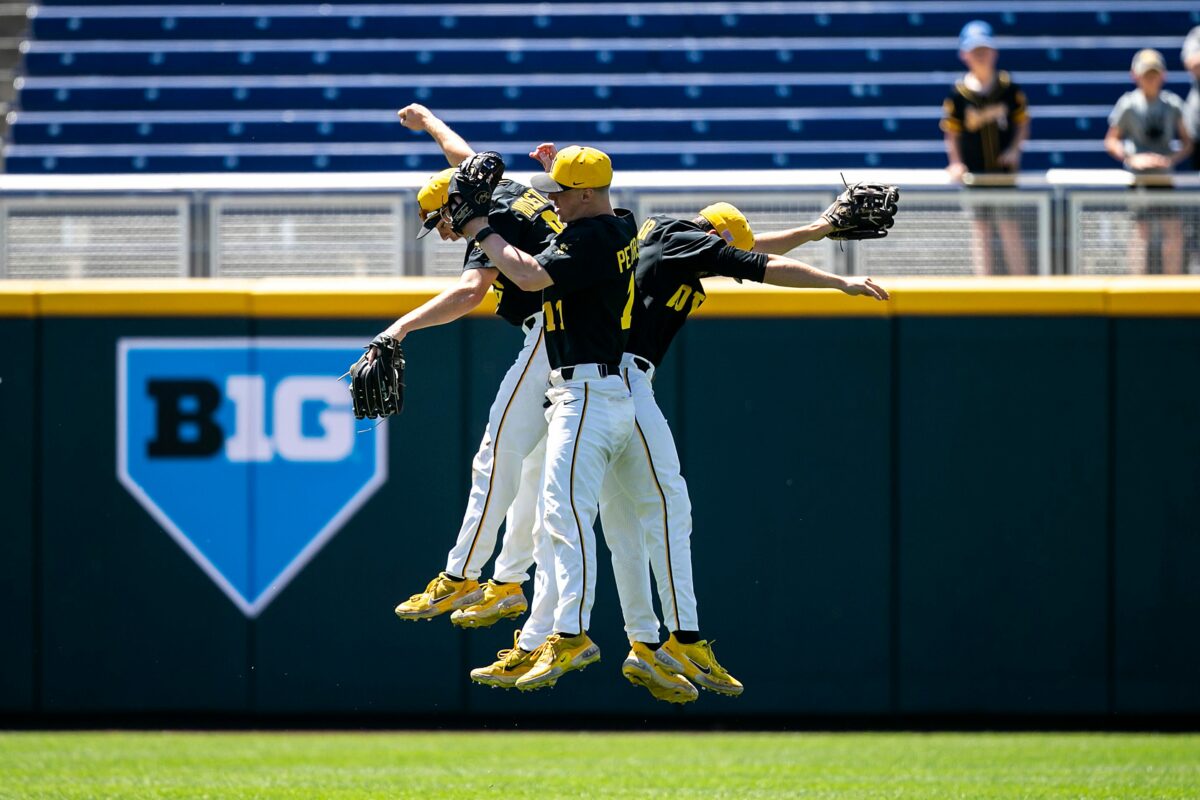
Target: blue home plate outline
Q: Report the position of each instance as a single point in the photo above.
(347, 512)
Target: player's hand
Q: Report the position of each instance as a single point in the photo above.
(1010, 158)
(544, 154)
(957, 170)
(864, 287)
(394, 332)
(414, 116)
(1139, 161)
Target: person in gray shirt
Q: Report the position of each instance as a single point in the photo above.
(1191, 61)
(1142, 128)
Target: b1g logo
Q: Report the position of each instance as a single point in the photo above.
(245, 451)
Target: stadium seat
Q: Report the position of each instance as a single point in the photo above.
(185, 86)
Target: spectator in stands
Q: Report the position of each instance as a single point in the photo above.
(985, 121)
(1141, 128)
(1191, 62)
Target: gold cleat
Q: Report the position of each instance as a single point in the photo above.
(500, 601)
(642, 669)
(697, 663)
(558, 656)
(441, 595)
(508, 667)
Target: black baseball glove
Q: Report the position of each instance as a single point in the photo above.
(471, 187)
(863, 211)
(377, 387)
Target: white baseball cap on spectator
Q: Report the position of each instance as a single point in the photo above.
(1148, 61)
(975, 34)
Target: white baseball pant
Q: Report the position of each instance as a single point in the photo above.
(645, 494)
(590, 423)
(516, 427)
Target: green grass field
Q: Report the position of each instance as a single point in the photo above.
(432, 766)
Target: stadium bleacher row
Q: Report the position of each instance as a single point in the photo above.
(174, 87)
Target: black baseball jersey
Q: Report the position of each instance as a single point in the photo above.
(589, 306)
(985, 124)
(526, 220)
(675, 255)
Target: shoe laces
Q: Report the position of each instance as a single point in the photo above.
(548, 651)
(512, 656)
(706, 647)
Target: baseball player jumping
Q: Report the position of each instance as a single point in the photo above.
(506, 471)
(587, 279)
(644, 494)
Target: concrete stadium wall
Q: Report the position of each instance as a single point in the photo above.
(977, 499)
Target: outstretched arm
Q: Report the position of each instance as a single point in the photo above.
(782, 271)
(448, 306)
(417, 117)
(780, 242)
(522, 268)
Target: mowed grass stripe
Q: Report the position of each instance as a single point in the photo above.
(426, 765)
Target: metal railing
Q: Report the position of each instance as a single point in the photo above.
(1062, 222)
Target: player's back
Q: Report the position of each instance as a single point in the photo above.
(588, 309)
(675, 255)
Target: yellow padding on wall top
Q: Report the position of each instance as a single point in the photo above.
(387, 298)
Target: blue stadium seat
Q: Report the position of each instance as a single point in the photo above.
(435, 21)
(173, 61)
(180, 86)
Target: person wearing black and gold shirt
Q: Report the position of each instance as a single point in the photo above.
(985, 119)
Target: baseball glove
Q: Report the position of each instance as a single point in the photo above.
(377, 387)
(863, 211)
(471, 188)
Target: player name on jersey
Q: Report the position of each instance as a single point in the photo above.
(589, 307)
(526, 219)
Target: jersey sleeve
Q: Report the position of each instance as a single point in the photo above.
(573, 261)
(697, 252)
(1018, 106)
(1117, 118)
(1178, 110)
(952, 114)
(503, 223)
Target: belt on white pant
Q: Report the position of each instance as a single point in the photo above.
(580, 372)
(531, 322)
(629, 360)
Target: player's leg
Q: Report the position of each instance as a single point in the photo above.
(1172, 242)
(1014, 245)
(981, 244)
(665, 509)
(513, 663)
(631, 570)
(589, 423)
(502, 595)
(514, 428)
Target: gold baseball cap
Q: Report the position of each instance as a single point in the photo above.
(576, 167)
(1148, 61)
(435, 193)
(730, 224)
(431, 197)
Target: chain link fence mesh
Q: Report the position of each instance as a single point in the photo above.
(971, 232)
(318, 235)
(90, 238)
(1135, 232)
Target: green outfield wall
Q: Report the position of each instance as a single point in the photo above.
(979, 499)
